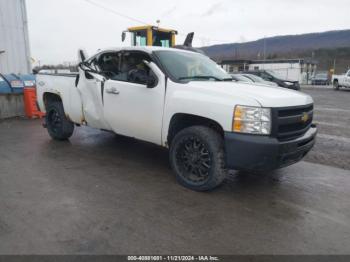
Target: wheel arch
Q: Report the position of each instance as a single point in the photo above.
(180, 121)
(51, 97)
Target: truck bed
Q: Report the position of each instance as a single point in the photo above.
(62, 85)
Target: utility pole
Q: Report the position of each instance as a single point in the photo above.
(264, 48)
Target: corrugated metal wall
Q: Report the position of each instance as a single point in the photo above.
(14, 40)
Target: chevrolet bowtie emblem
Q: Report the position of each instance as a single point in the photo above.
(305, 117)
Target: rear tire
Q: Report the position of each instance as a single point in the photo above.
(58, 126)
(197, 158)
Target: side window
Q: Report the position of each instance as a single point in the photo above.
(92, 64)
(161, 38)
(109, 64)
(266, 77)
(133, 69)
(349, 73)
(140, 38)
(262, 75)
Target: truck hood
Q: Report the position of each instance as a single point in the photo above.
(266, 96)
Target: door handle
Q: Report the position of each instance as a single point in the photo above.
(112, 90)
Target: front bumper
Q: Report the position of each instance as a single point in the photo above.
(251, 152)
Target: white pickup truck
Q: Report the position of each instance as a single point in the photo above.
(184, 101)
(341, 80)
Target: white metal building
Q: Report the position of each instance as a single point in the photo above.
(14, 40)
(290, 69)
(300, 70)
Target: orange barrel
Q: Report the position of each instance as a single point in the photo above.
(30, 107)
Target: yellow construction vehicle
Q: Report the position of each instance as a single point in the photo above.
(155, 36)
(151, 36)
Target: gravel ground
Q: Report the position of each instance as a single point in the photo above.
(332, 115)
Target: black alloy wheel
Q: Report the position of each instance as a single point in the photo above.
(194, 160)
(197, 157)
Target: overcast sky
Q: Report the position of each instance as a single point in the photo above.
(59, 27)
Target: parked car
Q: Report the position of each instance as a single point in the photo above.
(259, 80)
(183, 101)
(320, 79)
(272, 77)
(241, 78)
(341, 80)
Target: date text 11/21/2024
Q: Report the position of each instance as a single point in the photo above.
(173, 258)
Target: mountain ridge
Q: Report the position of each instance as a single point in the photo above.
(278, 46)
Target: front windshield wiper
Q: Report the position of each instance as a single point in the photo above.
(202, 77)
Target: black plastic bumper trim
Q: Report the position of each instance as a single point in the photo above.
(259, 153)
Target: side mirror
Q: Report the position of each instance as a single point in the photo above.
(123, 36)
(82, 56)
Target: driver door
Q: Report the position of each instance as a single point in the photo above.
(130, 107)
(90, 87)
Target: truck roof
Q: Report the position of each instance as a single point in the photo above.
(146, 49)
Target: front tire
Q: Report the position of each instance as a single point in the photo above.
(58, 126)
(197, 158)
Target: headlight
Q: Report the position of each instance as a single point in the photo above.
(252, 120)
